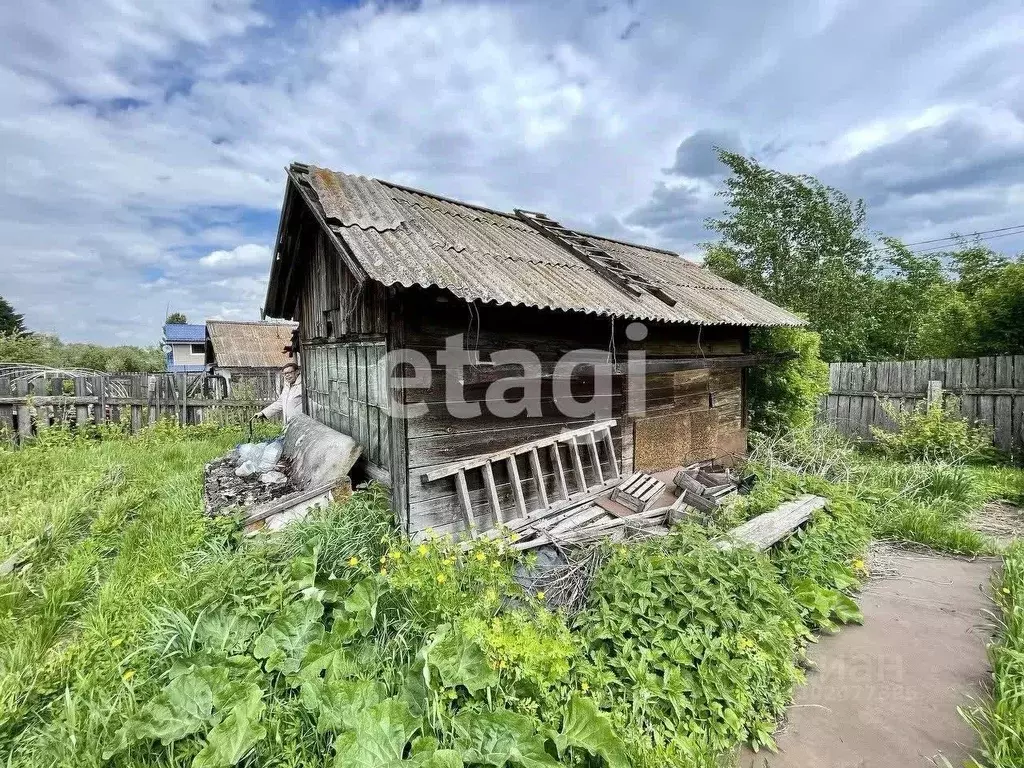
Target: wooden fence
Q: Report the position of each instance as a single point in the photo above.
(990, 391)
(29, 403)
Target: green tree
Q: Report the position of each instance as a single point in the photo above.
(176, 318)
(785, 395)
(10, 321)
(801, 244)
(999, 313)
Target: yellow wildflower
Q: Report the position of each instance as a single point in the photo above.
(491, 595)
(423, 550)
(481, 556)
(495, 565)
(128, 675)
(441, 578)
(395, 555)
(353, 561)
(540, 595)
(585, 686)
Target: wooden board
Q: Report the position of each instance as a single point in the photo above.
(770, 528)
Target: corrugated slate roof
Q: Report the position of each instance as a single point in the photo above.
(249, 344)
(407, 237)
(191, 332)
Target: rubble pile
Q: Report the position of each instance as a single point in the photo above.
(252, 474)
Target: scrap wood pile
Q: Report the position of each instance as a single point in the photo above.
(642, 505)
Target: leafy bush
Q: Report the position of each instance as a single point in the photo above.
(784, 396)
(932, 432)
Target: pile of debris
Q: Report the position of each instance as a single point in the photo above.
(250, 475)
(641, 505)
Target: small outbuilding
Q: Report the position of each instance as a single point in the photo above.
(250, 352)
(415, 310)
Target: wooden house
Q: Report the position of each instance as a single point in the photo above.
(368, 266)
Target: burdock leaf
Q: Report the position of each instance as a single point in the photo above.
(587, 728)
(499, 738)
(235, 736)
(379, 737)
(284, 643)
(342, 703)
(459, 661)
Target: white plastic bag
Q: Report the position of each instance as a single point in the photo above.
(245, 469)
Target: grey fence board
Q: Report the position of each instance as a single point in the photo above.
(136, 400)
(990, 391)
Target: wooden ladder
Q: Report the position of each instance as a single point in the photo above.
(586, 250)
(589, 436)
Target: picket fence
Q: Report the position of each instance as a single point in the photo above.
(990, 390)
(31, 403)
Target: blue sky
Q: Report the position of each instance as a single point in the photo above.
(144, 142)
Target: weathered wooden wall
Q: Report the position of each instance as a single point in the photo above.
(343, 330)
(439, 437)
(136, 399)
(990, 390)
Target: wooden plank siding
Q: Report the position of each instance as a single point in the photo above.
(438, 437)
(990, 390)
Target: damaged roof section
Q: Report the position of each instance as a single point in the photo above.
(401, 236)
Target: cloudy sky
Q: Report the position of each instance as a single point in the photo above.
(144, 141)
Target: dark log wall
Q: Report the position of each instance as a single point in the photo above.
(438, 437)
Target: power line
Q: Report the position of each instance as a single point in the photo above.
(984, 235)
(958, 237)
(984, 239)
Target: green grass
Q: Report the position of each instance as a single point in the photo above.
(922, 503)
(1000, 721)
(131, 610)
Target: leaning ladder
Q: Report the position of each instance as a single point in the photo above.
(583, 438)
(589, 252)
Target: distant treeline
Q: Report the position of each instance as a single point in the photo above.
(19, 345)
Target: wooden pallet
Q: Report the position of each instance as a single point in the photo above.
(638, 492)
(578, 440)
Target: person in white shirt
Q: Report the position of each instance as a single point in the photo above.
(289, 402)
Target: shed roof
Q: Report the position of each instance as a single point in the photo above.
(184, 332)
(237, 344)
(402, 236)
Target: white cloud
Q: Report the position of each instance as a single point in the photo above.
(144, 143)
(248, 255)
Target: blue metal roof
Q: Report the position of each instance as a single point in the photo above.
(184, 332)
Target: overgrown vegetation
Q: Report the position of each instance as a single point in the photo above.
(1000, 721)
(785, 395)
(139, 633)
(806, 246)
(922, 502)
(932, 432)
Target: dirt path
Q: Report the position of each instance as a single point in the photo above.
(885, 694)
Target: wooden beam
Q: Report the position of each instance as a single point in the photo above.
(485, 372)
(772, 527)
